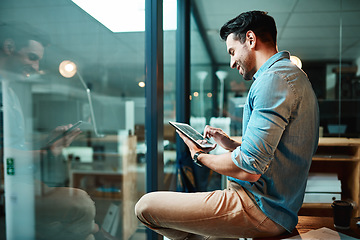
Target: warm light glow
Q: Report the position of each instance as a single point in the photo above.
(67, 68)
(296, 61)
(196, 94)
(209, 95)
(141, 84)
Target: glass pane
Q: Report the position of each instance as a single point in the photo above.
(323, 41)
(169, 104)
(202, 109)
(91, 177)
(346, 77)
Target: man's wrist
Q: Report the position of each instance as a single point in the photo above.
(196, 158)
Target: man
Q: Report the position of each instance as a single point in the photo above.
(21, 49)
(267, 171)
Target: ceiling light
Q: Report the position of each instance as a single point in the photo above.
(126, 16)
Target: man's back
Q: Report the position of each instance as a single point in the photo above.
(280, 136)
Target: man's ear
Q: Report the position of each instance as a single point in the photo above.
(251, 37)
(8, 46)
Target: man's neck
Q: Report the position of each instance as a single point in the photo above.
(263, 55)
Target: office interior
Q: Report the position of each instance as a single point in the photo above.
(139, 66)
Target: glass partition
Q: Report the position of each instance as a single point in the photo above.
(325, 38)
(62, 63)
(169, 18)
(339, 101)
(204, 109)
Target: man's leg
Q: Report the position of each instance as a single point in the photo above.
(229, 214)
(65, 213)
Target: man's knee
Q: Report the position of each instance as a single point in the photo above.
(141, 205)
(144, 207)
(73, 217)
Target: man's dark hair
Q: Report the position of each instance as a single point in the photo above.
(21, 34)
(259, 22)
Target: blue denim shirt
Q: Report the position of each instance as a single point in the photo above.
(280, 136)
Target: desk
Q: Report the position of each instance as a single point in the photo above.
(340, 156)
(307, 223)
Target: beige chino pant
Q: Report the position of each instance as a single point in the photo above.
(220, 214)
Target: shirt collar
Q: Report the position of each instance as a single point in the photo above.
(276, 57)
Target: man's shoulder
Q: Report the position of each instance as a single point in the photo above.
(285, 70)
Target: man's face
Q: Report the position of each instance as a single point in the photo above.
(25, 61)
(241, 56)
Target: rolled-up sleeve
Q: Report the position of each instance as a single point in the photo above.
(270, 106)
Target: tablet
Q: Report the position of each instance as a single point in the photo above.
(63, 134)
(191, 133)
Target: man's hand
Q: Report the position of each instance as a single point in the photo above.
(65, 141)
(222, 163)
(192, 146)
(221, 138)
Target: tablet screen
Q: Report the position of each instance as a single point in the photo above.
(191, 133)
(63, 134)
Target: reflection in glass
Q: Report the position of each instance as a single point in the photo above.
(68, 69)
(83, 185)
